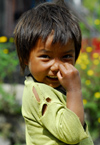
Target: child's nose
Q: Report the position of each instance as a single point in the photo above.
(55, 66)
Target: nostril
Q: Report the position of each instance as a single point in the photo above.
(55, 67)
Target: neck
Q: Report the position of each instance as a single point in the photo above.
(60, 88)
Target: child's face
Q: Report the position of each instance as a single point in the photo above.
(45, 58)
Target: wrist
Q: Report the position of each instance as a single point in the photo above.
(74, 92)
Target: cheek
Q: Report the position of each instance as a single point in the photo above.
(71, 62)
(43, 66)
(74, 61)
(29, 66)
(37, 68)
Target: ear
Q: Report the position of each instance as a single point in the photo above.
(25, 62)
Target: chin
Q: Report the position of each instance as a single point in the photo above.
(54, 86)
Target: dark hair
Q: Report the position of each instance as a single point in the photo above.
(38, 23)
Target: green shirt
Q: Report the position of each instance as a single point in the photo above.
(58, 125)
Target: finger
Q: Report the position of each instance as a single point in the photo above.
(59, 75)
(68, 66)
(62, 69)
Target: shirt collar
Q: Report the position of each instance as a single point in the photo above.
(60, 88)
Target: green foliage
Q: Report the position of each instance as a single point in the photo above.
(88, 65)
(8, 63)
(8, 103)
(90, 5)
(92, 17)
(8, 60)
(84, 30)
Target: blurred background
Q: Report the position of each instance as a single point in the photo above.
(12, 129)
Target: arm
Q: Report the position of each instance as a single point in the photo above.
(70, 80)
(57, 119)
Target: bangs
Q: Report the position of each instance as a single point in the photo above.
(45, 18)
(53, 18)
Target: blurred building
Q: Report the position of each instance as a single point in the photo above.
(11, 10)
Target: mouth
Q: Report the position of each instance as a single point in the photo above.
(53, 81)
(55, 78)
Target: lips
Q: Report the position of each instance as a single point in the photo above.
(52, 81)
(53, 77)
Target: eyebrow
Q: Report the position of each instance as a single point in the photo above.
(71, 50)
(45, 51)
(48, 51)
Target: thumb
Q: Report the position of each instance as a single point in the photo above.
(59, 75)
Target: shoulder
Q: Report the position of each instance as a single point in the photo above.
(30, 82)
(42, 89)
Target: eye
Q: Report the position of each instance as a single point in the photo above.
(44, 56)
(67, 56)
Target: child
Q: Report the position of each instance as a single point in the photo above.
(48, 41)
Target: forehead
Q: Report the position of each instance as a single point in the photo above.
(58, 45)
(49, 45)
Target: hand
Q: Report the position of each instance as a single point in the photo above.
(69, 77)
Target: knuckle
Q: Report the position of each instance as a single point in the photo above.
(65, 73)
(74, 72)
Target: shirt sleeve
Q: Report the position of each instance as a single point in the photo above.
(63, 124)
(58, 119)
